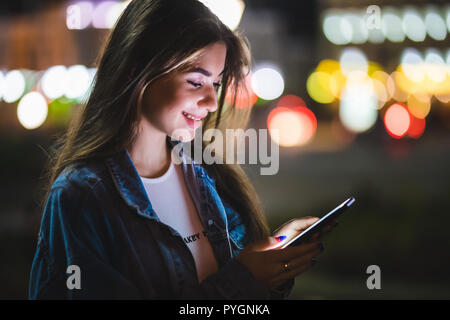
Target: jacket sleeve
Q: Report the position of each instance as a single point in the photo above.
(70, 261)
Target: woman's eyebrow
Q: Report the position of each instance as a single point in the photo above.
(204, 72)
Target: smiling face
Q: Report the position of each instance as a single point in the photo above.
(175, 103)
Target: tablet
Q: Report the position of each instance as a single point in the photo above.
(333, 214)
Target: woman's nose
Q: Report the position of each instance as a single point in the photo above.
(209, 100)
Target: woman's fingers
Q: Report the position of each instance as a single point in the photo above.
(294, 268)
(291, 253)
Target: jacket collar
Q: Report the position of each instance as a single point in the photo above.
(129, 184)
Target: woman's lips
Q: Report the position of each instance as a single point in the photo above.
(194, 124)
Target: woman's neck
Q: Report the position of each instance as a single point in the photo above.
(150, 153)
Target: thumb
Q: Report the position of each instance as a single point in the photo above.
(267, 243)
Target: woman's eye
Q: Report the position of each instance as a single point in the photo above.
(195, 84)
(217, 85)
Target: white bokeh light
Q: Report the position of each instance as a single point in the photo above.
(2, 85)
(435, 65)
(14, 86)
(353, 59)
(337, 29)
(267, 83)
(54, 81)
(391, 25)
(358, 107)
(413, 25)
(229, 11)
(412, 64)
(78, 81)
(435, 24)
(359, 28)
(32, 110)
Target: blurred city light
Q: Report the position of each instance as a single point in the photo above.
(54, 81)
(14, 86)
(391, 25)
(397, 120)
(435, 65)
(245, 97)
(413, 25)
(79, 15)
(296, 125)
(267, 83)
(78, 81)
(291, 101)
(412, 64)
(358, 106)
(2, 85)
(353, 59)
(419, 105)
(32, 110)
(319, 89)
(336, 28)
(435, 24)
(416, 128)
(229, 12)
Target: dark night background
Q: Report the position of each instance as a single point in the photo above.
(401, 217)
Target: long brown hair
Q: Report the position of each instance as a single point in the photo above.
(150, 39)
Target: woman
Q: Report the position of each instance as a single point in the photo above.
(121, 219)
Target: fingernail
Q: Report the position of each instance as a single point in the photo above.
(280, 238)
(313, 262)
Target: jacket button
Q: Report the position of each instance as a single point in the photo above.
(210, 222)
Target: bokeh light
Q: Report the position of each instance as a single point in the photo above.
(14, 86)
(413, 25)
(267, 83)
(291, 101)
(353, 59)
(78, 81)
(391, 25)
(419, 105)
(32, 110)
(54, 81)
(2, 85)
(412, 64)
(296, 126)
(245, 97)
(358, 106)
(416, 128)
(435, 65)
(319, 88)
(435, 24)
(337, 29)
(397, 120)
(229, 12)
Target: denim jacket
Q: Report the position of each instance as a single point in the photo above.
(99, 219)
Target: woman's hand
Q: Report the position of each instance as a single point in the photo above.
(271, 265)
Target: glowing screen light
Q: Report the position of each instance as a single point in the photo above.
(296, 126)
(32, 110)
(397, 120)
(14, 86)
(267, 83)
